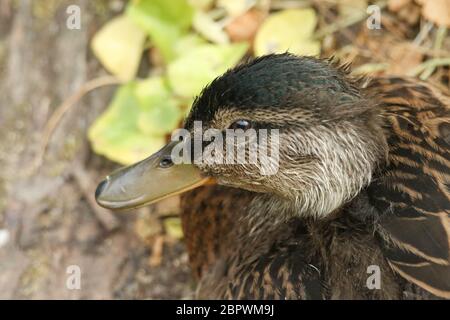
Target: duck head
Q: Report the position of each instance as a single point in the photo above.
(320, 131)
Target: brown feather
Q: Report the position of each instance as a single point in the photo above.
(401, 222)
(413, 191)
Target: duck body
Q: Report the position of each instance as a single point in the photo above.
(357, 208)
(396, 225)
(299, 259)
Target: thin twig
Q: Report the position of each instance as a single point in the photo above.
(429, 63)
(346, 22)
(63, 108)
(423, 33)
(436, 53)
(369, 68)
(157, 251)
(438, 41)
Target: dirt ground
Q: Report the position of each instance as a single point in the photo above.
(48, 217)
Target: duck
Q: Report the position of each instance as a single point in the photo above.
(357, 208)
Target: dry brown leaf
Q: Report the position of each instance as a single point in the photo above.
(437, 11)
(403, 58)
(410, 14)
(244, 27)
(406, 10)
(288, 30)
(396, 5)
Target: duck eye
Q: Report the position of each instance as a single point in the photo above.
(241, 124)
(166, 162)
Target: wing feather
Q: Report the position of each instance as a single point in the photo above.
(412, 194)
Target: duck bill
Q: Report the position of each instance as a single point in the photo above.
(148, 181)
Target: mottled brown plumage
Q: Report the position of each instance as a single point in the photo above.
(360, 187)
(413, 191)
(242, 246)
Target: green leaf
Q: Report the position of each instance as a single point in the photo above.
(190, 73)
(173, 227)
(188, 43)
(165, 21)
(118, 45)
(135, 123)
(161, 113)
(288, 30)
(151, 92)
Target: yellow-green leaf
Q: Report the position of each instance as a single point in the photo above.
(161, 120)
(173, 227)
(136, 121)
(188, 43)
(165, 21)
(288, 30)
(190, 73)
(118, 45)
(160, 112)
